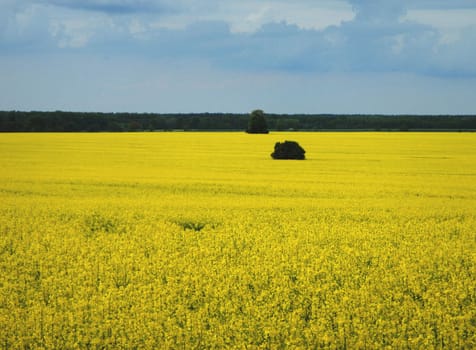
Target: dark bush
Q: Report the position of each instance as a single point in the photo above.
(288, 150)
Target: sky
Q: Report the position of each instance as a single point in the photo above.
(182, 56)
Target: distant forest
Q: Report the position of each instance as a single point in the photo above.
(15, 121)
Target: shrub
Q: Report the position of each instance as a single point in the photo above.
(288, 150)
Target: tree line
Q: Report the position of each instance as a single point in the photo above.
(60, 121)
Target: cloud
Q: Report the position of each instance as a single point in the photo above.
(76, 33)
(114, 6)
(370, 10)
(440, 4)
(450, 23)
(315, 36)
(250, 16)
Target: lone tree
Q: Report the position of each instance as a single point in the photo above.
(257, 123)
(288, 150)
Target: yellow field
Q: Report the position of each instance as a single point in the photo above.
(201, 240)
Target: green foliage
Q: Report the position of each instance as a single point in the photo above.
(288, 150)
(197, 225)
(257, 123)
(191, 225)
(97, 223)
(59, 121)
(287, 124)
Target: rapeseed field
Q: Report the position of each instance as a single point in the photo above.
(202, 241)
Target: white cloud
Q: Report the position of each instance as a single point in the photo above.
(248, 16)
(306, 35)
(72, 29)
(137, 28)
(71, 33)
(378, 12)
(450, 22)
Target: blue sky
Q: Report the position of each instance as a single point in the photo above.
(302, 56)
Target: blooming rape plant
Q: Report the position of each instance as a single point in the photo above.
(132, 241)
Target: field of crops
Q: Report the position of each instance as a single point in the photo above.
(201, 240)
